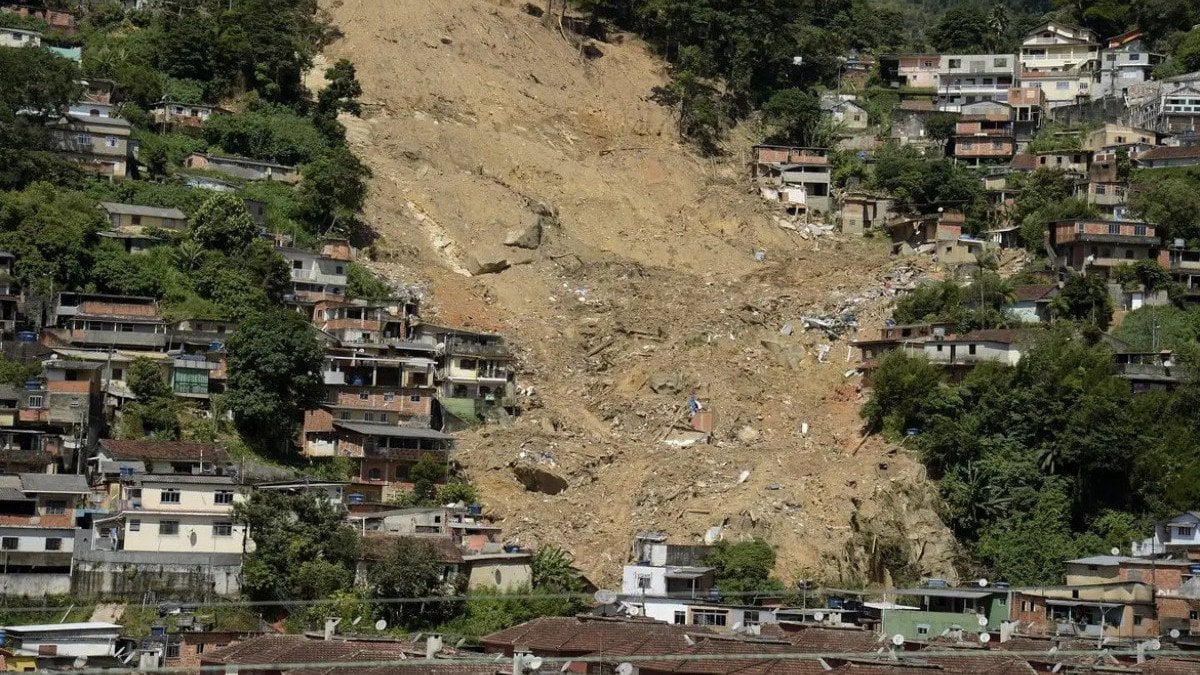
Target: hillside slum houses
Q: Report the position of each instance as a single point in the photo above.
(1132, 614)
(1105, 106)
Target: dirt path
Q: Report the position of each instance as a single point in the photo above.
(644, 288)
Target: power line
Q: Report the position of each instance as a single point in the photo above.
(887, 657)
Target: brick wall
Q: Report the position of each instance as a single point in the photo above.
(1030, 611)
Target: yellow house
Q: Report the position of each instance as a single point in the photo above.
(135, 217)
(17, 663)
(176, 514)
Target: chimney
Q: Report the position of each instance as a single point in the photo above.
(433, 645)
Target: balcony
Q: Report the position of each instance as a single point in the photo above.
(1100, 232)
(113, 338)
(462, 348)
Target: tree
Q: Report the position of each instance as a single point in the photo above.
(51, 231)
(333, 191)
(553, 572)
(1084, 298)
(963, 29)
(901, 388)
(744, 566)
(340, 94)
(427, 474)
(362, 283)
(1170, 201)
(412, 568)
(940, 126)
(223, 224)
(268, 132)
(797, 116)
(146, 380)
(274, 374)
(1147, 273)
(303, 547)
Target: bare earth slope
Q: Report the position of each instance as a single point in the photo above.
(646, 288)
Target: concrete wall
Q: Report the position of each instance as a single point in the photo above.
(195, 534)
(1096, 111)
(177, 580)
(499, 573)
(34, 585)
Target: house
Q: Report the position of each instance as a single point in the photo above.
(1073, 162)
(387, 453)
(924, 233)
(100, 144)
(944, 611)
(332, 493)
(984, 134)
(1031, 303)
(583, 635)
(909, 337)
(845, 112)
(911, 71)
(89, 639)
(417, 520)
(37, 532)
(1179, 536)
(130, 217)
(1028, 105)
(1100, 245)
(318, 276)
(965, 351)
(179, 513)
(1109, 197)
(1167, 156)
(267, 654)
(107, 321)
(474, 365)
(1184, 265)
(10, 295)
(909, 120)
(777, 166)
(381, 546)
(183, 115)
(968, 78)
(1062, 60)
(115, 459)
(365, 324)
(1127, 62)
(209, 183)
(1149, 371)
(1179, 108)
(1109, 609)
(14, 37)
(1116, 135)
(243, 167)
(862, 211)
(57, 20)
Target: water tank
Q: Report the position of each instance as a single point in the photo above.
(714, 594)
(355, 498)
(475, 510)
(26, 336)
(1194, 569)
(935, 583)
(1003, 585)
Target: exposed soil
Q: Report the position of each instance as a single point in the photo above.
(644, 289)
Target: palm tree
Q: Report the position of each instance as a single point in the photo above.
(189, 252)
(551, 569)
(999, 23)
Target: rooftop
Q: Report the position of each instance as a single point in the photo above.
(1166, 152)
(139, 210)
(54, 483)
(173, 451)
(391, 431)
(61, 627)
(1033, 292)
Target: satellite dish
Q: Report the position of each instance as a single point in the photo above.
(819, 616)
(982, 583)
(356, 620)
(604, 597)
(982, 620)
(532, 662)
(625, 668)
(985, 638)
(1154, 645)
(380, 625)
(689, 640)
(1057, 667)
(80, 661)
(898, 640)
(1174, 633)
(1115, 550)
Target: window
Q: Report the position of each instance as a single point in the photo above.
(1100, 189)
(922, 629)
(375, 474)
(1026, 606)
(1114, 228)
(1110, 57)
(643, 582)
(297, 265)
(344, 415)
(338, 270)
(135, 525)
(168, 527)
(1194, 615)
(118, 374)
(1137, 619)
(111, 141)
(8, 543)
(199, 647)
(389, 396)
(971, 349)
(56, 507)
(53, 544)
(364, 396)
(1184, 531)
(35, 401)
(750, 617)
(222, 529)
(369, 417)
(415, 398)
(169, 496)
(223, 497)
(1135, 57)
(681, 617)
(1062, 85)
(1000, 62)
(956, 63)
(709, 617)
(383, 417)
(172, 651)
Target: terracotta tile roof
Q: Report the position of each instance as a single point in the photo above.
(584, 635)
(1165, 152)
(1172, 666)
(377, 547)
(916, 106)
(1033, 292)
(171, 451)
(821, 639)
(266, 649)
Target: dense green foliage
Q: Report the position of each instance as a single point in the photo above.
(1046, 460)
(303, 547)
(412, 568)
(155, 413)
(1169, 198)
(921, 184)
(980, 305)
(744, 566)
(1152, 328)
(274, 374)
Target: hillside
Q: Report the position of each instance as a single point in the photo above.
(645, 287)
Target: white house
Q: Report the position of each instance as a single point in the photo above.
(13, 37)
(1063, 60)
(1177, 535)
(93, 638)
(175, 514)
(1001, 346)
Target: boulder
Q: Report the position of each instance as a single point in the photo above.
(536, 479)
(666, 383)
(486, 263)
(747, 434)
(527, 236)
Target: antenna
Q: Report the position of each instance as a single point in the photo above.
(985, 638)
(625, 668)
(1174, 633)
(1154, 645)
(898, 640)
(533, 663)
(1115, 550)
(381, 625)
(982, 583)
(983, 620)
(819, 616)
